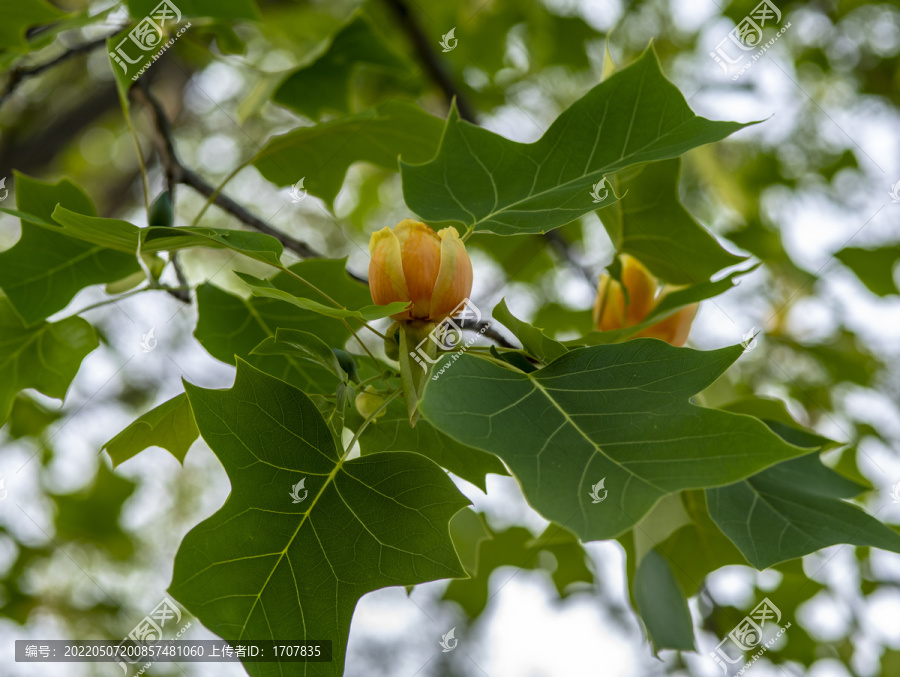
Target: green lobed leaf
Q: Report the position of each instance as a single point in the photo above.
(229, 326)
(874, 267)
(662, 605)
(91, 515)
(125, 237)
(170, 426)
(534, 340)
(650, 223)
(45, 356)
(324, 84)
(517, 547)
(619, 413)
(265, 289)
(490, 183)
(391, 431)
(793, 509)
(29, 418)
(21, 15)
(44, 270)
(268, 567)
(322, 154)
(303, 346)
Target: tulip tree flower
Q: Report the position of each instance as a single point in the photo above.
(413, 263)
(433, 273)
(613, 310)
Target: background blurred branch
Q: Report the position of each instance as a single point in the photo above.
(430, 58)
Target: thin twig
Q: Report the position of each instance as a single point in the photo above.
(176, 172)
(19, 74)
(430, 59)
(487, 330)
(563, 247)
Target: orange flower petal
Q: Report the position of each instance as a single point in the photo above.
(673, 329)
(420, 250)
(386, 280)
(454, 279)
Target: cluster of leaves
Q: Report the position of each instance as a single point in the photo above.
(695, 480)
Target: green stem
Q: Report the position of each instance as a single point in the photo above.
(123, 102)
(126, 295)
(219, 189)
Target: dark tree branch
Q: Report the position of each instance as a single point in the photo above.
(486, 329)
(18, 74)
(563, 247)
(177, 173)
(430, 59)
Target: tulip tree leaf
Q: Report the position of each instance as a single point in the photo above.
(45, 356)
(303, 346)
(535, 341)
(44, 270)
(662, 605)
(873, 267)
(125, 237)
(392, 431)
(490, 183)
(21, 15)
(324, 84)
(322, 153)
(619, 413)
(793, 509)
(650, 223)
(267, 567)
(170, 426)
(229, 325)
(517, 547)
(266, 289)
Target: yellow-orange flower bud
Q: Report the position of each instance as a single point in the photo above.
(413, 263)
(612, 312)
